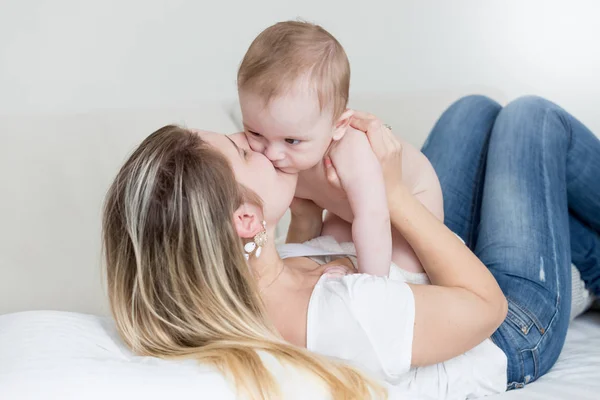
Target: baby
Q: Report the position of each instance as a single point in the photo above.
(293, 88)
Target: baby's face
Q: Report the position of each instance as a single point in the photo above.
(291, 131)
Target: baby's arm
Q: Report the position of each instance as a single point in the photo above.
(361, 178)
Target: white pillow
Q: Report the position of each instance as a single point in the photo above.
(60, 355)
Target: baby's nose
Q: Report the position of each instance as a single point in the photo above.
(273, 153)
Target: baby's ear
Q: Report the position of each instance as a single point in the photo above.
(342, 123)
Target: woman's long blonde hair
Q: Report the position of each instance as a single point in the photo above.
(178, 282)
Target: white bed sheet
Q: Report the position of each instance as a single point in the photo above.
(576, 374)
(59, 355)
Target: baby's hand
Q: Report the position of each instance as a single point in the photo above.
(339, 267)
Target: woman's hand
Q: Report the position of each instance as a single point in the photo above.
(386, 147)
(307, 221)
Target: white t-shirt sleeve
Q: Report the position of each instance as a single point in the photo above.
(365, 320)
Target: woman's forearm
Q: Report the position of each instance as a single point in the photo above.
(447, 261)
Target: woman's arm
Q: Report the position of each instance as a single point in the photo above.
(422, 179)
(464, 305)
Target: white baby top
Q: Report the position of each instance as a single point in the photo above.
(368, 321)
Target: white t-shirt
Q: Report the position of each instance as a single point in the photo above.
(368, 322)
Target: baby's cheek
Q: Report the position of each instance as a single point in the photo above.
(254, 144)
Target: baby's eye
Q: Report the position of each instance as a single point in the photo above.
(292, 141)
(254, 133)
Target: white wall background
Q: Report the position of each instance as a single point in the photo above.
(73, 73)
(74, 55)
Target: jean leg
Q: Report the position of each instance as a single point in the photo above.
(585, 253)
(524, 234)
(457, 149)
(583, 169)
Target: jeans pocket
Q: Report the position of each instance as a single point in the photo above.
(519, 318)
(530, 306)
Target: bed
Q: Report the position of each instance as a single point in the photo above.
(576, 375)
(56, 170)
(64, 355)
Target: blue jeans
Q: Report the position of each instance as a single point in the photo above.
(521, 186)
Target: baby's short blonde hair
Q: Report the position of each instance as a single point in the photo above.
(286, 51)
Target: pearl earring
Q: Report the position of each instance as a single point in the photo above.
(260, 239)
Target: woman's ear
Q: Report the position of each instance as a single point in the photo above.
(342, 123)
(247, 220)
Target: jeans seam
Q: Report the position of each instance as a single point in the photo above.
(551, 232)
(478, 191)
(567, 124)
(535, 351)
(569, 128)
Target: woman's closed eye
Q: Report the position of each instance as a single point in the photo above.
(243, 151)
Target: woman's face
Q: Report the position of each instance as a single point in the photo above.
(256, 172)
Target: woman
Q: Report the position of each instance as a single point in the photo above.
(178, 282)
(176, 220)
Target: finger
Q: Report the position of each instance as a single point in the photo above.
(393, 142)
(376, 134)
(363, 115)
(374, 129)
(331, 173)
(361, 121)
(389, 139)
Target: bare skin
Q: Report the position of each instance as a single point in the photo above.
(295, 134)
(418, 176)
(463, 305)
(287, 301)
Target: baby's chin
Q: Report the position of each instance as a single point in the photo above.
(288, 170)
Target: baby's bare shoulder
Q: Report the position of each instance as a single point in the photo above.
(353, 144)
